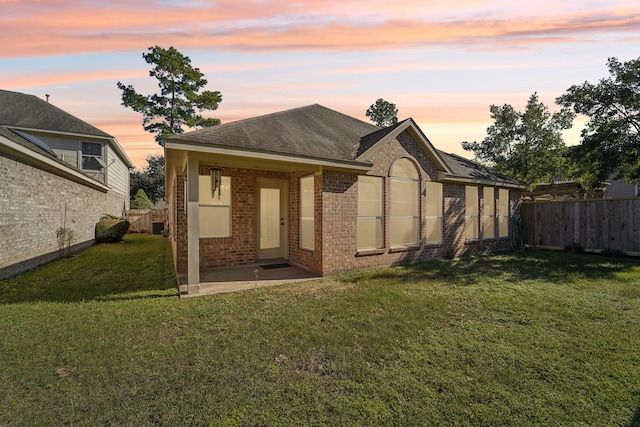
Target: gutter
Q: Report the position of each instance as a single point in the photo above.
(50, 164)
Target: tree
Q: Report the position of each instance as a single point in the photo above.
(141, 201)
(610, 142)
(179, 102)
(527, 146)
(383, 113)
(150, 179)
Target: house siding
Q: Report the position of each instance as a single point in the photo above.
(33, 202)
(117, 173)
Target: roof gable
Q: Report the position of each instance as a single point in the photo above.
(370, 143)
(321, 134)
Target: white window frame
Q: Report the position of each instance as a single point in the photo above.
(97, 157)
(214, 205)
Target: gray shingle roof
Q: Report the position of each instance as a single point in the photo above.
(28, 111)
(313, 132)
(465, 168)
(317, 132)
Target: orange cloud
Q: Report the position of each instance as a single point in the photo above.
(59, 28)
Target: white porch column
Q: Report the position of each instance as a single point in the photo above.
(193, 228)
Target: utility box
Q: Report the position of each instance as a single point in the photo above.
(157, 227)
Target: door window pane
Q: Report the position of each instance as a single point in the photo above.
(269, 218)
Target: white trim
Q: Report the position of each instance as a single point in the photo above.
(266, 156)
(409, 123)
(51, 164)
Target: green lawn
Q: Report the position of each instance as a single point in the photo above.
(533, 338)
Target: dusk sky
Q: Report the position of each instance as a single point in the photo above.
(441, 62)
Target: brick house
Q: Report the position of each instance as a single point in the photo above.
(56, 170)
(328, 193)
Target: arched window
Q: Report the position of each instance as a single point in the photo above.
(405, 201)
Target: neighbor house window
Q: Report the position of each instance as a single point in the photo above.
(92, 156)
(404, 196)
(215, 207)
(471, 213)
(503, 212)
(433, 212)
(370, 212)
(307, 235)
(489, 213)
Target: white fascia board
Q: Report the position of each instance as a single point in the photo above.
(266, 156)
(50, 164)
(409, 123)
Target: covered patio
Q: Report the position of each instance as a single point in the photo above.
(230, 279)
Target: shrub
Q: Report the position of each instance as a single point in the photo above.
(111, 230)
(141, 201)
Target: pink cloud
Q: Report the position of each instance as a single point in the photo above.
(57, 27)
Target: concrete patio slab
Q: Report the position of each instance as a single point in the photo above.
(231, 279)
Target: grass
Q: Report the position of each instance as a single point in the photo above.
(534, 338)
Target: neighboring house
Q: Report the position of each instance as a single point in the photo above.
(619, 189)
(57, 171)
(562, 190)
(328, 193)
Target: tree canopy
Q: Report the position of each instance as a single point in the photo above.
(525, 145)
(180, 99)
(383, 113)
(610, 142)
(150, 179)
(141, 201)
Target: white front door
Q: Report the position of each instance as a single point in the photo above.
(271, 219)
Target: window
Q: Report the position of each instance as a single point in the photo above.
(215, 207)
(370, 212)
(405, 196)
(489, 213)
(433, 212)
(307, 224)
(92, 156)
(471, 213)
(503, 212)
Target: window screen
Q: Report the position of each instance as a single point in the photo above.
(370, 212)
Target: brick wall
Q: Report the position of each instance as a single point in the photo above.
(32, 208)
(311, 260)
(336, 204)
(340, 200)
(240, 248)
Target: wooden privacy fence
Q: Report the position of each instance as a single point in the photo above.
(593, 224)
(142, 220)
